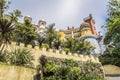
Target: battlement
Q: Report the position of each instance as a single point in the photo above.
(38, 52)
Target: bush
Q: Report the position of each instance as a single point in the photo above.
(67, 50)
(70, 70)
(19, 57)
(112, 58)
(45, 46)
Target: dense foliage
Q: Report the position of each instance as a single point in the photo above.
(113, 22)
(70, 70)
(7, 23)
(111, 58)
(6, 29)
(3, 6)
(19, 57)
(112, 38)
(25, 33)
(75, 45)
(50, 34)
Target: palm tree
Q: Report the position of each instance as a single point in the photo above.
(3, 6)
(41, 38)
(6, 29)
(14, 15)
(78, 46)
(50, 34)
(57, 43)
(85, 47)
(71, 44)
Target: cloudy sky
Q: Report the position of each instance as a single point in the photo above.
(62, 12)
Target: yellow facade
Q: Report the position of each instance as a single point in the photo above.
(62, 35)
(76, 33)
(85, 31)
(71, 32)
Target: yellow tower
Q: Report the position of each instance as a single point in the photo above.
(62, 35)
(85, 29)
(88, 27)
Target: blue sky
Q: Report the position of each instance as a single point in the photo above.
(63, 13)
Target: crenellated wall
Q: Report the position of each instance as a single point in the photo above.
(37, 52)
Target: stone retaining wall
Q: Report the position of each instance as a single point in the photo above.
(37, 52)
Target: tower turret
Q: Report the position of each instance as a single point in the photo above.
(28, 18)
(91, 22)
(89, 33)
(41, 25)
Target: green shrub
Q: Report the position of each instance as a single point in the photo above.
(50, 67)
(112, 58)
(45, 46)
(19, 57)
(70, 63)
(70, 70)
(67, 50)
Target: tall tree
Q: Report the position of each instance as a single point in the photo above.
(25, 32)
(69, 44)
(6, 25)
(3, 6)
(50, 34)
(78, 46)
(85, 47)
(14, 15)
(41, 38)
(6, 29)
(57, 43)
(113, 22)
(112, 37)
(113, 9)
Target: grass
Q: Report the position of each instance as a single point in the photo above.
(111, 69)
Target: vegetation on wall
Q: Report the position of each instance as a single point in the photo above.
(68, 69)
(19, 57)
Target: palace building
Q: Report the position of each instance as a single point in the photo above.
(86, 31)
(86, 28)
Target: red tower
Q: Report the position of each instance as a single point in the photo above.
(91, 22)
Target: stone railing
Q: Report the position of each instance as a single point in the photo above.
(38, 52)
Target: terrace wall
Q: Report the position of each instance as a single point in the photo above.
(38, 52)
